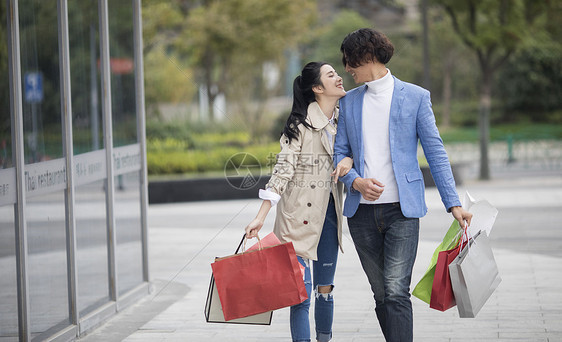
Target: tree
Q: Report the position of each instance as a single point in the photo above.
(229, 41)
(531, 83)
(493, 30)
(325, 44)
(168, 77)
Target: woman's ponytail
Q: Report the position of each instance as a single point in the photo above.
(302, 97)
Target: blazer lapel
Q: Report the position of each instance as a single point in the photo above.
(395, 109)
(357, 118)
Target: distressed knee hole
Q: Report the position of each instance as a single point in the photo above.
(325, 291)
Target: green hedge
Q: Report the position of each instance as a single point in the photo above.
(174, 161)
(174, 153)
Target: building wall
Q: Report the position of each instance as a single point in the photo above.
(73, 194)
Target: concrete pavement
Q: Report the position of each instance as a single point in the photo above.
(527, 241)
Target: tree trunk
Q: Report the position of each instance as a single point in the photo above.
(447, 85)
(484, 122)
(208, 70)
(426, 61)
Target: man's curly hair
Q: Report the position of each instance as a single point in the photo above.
(366, 45)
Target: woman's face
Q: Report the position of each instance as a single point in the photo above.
(332, 83)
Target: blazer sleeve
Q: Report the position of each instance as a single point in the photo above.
(435, 154)
(342, 149)
(287, 162)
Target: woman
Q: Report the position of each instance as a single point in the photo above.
(309, 201)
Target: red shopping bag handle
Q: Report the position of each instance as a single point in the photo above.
(244, 239)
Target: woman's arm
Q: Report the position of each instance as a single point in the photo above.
(283, 172)
(254, 227)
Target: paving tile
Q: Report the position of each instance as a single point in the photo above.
(527, 306)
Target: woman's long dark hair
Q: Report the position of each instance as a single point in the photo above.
(302, 97)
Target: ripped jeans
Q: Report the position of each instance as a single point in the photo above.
(323, 271)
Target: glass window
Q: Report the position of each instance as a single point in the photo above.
(128, 231)
(122, 73)
(91, 245)
(85, 75)
(45, 172)
(5, 133)
(126, 152)
(8, 282)
(47, 267)
(89, 161)
(40, 80)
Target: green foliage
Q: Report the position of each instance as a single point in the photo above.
(171, 158)
(520, 131)
(324, 44)
(207, 141)
(166, 79)
(488, 25)
(531, 84)
(229, 44)
(258, 30)
(181, 147)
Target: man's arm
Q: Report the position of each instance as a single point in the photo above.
(342, 149)
(438, 161)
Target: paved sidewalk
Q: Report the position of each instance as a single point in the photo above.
(527, 306)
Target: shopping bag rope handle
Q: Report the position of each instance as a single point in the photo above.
(244, 239)
(464, 237)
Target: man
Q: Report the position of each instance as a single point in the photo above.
(380, 126)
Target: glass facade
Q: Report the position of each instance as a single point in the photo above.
(8, 280)
(72, 194)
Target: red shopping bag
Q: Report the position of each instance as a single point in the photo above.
(442, 297)
(258, 281)
(271, 240)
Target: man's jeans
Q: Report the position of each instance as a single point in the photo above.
(324, 270)
(387, 243)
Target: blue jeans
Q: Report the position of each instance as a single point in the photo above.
(324, 270)
(387, 243)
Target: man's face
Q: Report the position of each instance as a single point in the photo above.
(360, 74)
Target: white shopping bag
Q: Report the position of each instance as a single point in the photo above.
(474, 275)
(483, 215)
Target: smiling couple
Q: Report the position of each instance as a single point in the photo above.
(371, 138)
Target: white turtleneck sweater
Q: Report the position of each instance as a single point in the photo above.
(376, 141)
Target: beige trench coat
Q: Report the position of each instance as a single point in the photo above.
(302, 178)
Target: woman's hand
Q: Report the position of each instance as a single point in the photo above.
(342, 168)
(253, 228)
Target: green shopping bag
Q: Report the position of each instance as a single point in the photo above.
(423, 288)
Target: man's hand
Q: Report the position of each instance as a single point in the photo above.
(462, 216)
(370, 188)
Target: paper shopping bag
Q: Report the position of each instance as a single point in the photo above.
(213, 309)
(214, 314)
(271, 240)
(424, 286)
(442, 296)
(474, 276)
(258, 281)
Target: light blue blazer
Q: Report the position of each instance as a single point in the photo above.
(411, 120)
